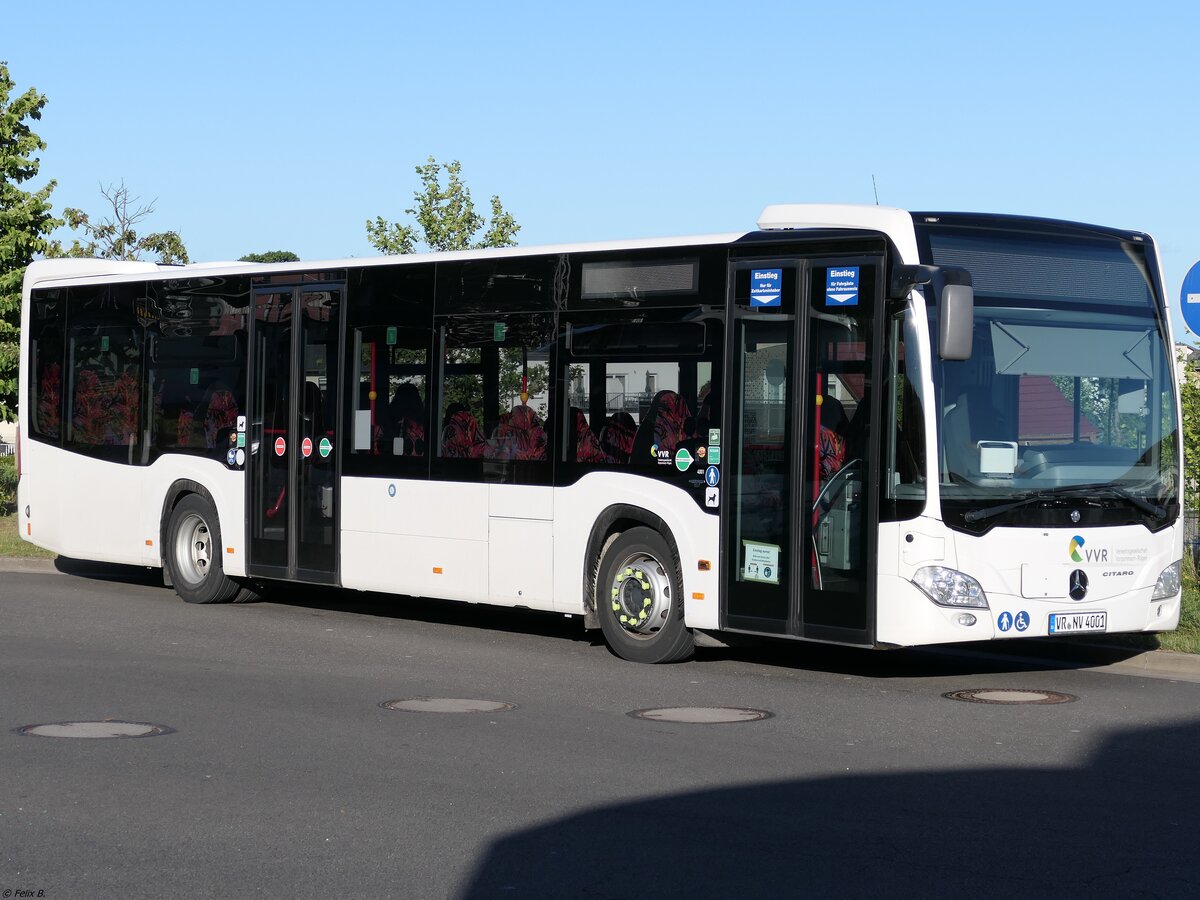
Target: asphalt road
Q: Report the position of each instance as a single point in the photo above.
(284, 777)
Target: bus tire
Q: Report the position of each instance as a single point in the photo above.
(194, 553)
(639, 599)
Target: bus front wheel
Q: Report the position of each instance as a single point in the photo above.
(194, 553)
(639, 599)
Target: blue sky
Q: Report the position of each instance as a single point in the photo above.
(262, 125)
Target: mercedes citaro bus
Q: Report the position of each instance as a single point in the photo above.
(855, 425)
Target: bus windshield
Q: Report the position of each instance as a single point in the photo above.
(1067, 397)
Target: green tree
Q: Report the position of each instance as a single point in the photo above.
(271, 256)
(25, 222)
(1189, 396)
(115, 237)
(446, 217)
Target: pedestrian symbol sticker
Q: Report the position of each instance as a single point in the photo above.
(766, 288)
(1004, 622)
(712, 476)
(841, 286)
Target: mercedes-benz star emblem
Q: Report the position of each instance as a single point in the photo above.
(1078, 584)
(1074, 515)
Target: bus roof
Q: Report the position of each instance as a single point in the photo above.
(895, 223)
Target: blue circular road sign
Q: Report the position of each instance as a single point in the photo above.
(1189, 298)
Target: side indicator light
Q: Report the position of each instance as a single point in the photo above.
(229, 550)
(437, 570)
(149, 543)
(704, 565)
(697, 596)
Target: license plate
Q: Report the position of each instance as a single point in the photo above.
(1075, 623)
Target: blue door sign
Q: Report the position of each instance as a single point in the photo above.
(841, 286)
(766, 288)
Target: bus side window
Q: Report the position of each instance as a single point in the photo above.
(390, 418)
(640, 388)
(46, 364)
(105, 396)
(495, 392)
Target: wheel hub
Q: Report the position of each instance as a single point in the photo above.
(641, 595)
(194, 548)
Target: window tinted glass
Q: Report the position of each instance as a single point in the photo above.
(391, 396)
(196, 368)
(104, 374)
(498, 285)
(637, 399)
(46, 364)
(495, 391)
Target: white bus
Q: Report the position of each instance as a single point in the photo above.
(855, 425)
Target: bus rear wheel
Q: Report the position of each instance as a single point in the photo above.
(194, 553)
(639, 599)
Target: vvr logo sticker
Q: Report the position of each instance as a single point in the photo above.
(1093, 556)
(1076, 545)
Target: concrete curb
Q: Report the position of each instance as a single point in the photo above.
(27, 564)
(1168, 664)
(1165, 664)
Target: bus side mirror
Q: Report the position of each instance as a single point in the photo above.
(955, 297)
(956, 321)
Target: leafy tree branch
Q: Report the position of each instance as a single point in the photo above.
(116, 237)
(445, 215)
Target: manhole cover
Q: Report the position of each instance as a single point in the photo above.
(95, 730)
(1011, 696)
(702, 715)
(448, 705)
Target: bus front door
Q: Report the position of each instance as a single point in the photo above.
(292, 484)
(799, 543)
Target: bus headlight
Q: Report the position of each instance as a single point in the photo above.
(949, 587)
(1168, 582)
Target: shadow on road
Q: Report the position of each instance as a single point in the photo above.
(960, 659)
(100, 571)
(1123, 825)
